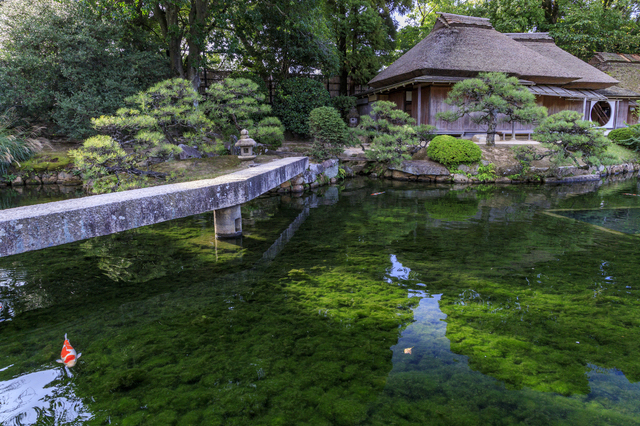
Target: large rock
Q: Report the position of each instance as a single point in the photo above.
(479, 138)
(49, 178)
(68, 179)
(331, 168)
(458, 178)
(298, 180)
(188, 152)
(309, 176)
(356, 166)
(422, 167)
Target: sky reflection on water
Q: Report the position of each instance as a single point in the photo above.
(32, 397)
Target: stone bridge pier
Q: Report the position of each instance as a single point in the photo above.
(228, 222)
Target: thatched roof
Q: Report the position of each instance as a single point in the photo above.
(463, 46)
(618, 92)
(623, 67)
(600, 57)
(542, 43)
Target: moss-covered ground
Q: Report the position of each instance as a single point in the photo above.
(392, 309)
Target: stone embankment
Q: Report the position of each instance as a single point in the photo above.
(330, 171)
(64, 178)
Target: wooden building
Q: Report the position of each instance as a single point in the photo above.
(460, 47)
(626, 69)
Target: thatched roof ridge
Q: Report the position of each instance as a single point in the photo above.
(539, 37)
(624, 58)
(466, 46)
(450, 19)
(590, 77)
(619, 92)
(623, 67)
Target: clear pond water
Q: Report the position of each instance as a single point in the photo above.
(422, 305)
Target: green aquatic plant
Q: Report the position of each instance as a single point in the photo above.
(318, 334)
(451, 208)
(17, 143)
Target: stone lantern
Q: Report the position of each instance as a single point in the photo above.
(246, 145)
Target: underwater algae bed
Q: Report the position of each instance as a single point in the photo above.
(422, 305)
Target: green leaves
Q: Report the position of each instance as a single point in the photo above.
(63, 63)
(452, 152)
(329, 132)
(391, 132)
(235, 104)
(566, 135)
(489, 95)
(295, 99)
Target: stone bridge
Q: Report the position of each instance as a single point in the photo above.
(45, 225)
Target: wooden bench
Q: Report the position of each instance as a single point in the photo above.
(503, 134)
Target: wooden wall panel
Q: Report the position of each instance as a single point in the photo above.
(426, 95)
(555, 104)
(398, 98)
(622, 114)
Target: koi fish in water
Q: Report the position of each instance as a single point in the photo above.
(68, 354)
(378, 193)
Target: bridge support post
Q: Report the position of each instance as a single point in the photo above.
(228, 222)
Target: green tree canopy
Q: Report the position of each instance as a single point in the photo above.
(279, 37)
(567, 136)
(63, 64)
(580, 27)
(490, 96)
(391, 131)
(236, 104)
(364, 33)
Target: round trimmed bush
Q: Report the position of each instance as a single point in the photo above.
(627, 136)
(294, 100)
(451, 151)
(618, 135)
(329, 132)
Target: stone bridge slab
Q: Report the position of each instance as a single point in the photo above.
(45, 225)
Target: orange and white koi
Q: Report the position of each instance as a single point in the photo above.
(378, 193)
(68, 354)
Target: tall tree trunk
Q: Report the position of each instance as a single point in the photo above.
(169, 25)
(342, 51)
(195, 40)
(344, 70)
(491, 130)
(551, 10)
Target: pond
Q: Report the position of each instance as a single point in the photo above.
(423, 304)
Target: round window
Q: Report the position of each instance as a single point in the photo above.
(601, 112)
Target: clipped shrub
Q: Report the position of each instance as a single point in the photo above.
(391, 131)
(343, 104)
(294, 100)
(628, 137)
(330, 133)
(269, 131)
(567, 136)
(622, 134)
(451, 151)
